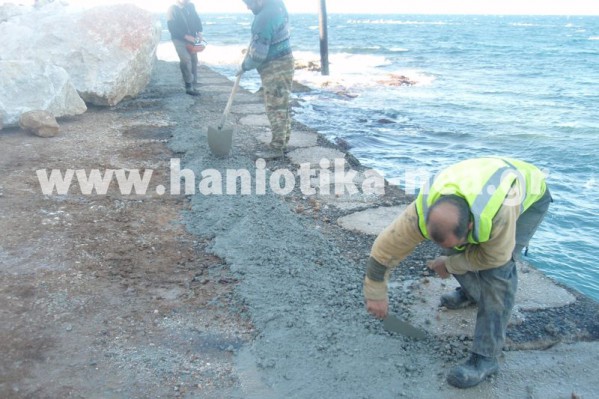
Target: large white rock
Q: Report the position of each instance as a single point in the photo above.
(29, 85)
(10, 10)
(108, 51)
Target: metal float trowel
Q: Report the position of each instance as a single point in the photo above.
(394, 324)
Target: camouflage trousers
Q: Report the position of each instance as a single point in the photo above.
(277, 76)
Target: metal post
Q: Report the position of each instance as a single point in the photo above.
(324, 39)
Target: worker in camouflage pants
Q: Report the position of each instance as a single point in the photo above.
(276, 77)
(270, 54)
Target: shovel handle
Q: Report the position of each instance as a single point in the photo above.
(230, 102)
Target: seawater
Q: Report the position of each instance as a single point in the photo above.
(519, 86)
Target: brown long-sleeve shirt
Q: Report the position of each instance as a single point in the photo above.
(400, 238)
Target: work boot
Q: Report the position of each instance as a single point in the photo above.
(472, 371)
(456, 299)
(271, 153)
(190, 90)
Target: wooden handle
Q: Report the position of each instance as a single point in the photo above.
(230, 102)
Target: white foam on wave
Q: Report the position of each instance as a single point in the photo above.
(591, 183)
(393, 22)
(525, 24)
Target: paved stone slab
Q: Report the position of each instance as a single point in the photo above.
(250, 98)
(348, 202)
(353, 190)
(298, 139)
(255, 120)
(345, 196)
(213, 80)
(249, 108)
(371, 221)
(225, 88)
(535, 291)
(314, 155)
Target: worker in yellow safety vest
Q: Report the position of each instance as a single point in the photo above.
(483, 212)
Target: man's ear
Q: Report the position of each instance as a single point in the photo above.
(470, 226)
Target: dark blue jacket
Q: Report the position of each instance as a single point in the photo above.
(183, 21)
(270, 36)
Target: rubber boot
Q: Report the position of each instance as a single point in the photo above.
(190, 90)
(473, 371)
(456, 299)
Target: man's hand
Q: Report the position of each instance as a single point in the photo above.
(190, 38)
(438, 265)
(378, 308)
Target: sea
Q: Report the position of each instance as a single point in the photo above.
(517, 86)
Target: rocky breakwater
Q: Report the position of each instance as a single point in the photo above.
(60, 59)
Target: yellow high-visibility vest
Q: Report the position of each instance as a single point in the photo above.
(484, 183)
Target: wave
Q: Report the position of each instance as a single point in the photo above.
(594, 38)
(393, 22)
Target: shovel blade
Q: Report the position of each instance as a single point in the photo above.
(220, 140)
(393, 324)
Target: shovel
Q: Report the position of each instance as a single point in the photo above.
(394, 324)
(219, 137)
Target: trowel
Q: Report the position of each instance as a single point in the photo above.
(220, 138)
(394, 324)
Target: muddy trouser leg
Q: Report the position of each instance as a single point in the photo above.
(494, 289)
(277, 77)
(185, 62)
(194, 67)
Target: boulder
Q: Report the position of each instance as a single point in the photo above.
(10, 10)
(40, 123)
(29, 85)
(308, 65)
(396, 80)
(297, 87)
(108, 51)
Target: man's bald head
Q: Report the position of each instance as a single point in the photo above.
(448, 221)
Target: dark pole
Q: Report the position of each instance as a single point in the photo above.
(324, 39)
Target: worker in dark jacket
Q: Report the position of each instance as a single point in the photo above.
(185, 27)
